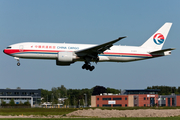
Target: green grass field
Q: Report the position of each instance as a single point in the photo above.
(35, 111)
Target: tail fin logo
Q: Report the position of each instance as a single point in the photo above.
(158, 38)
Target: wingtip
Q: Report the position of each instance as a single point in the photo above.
(122, 37)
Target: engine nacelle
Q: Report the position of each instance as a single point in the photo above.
(65, 58)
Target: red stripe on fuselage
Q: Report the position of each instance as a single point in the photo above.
(149, 55)
(14, 51)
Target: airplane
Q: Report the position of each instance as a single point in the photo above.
(66, 54)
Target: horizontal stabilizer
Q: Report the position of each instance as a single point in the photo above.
(160, 51)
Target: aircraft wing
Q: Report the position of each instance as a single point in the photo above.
(98, 49)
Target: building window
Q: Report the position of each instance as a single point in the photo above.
(97, 105)
(125, 105)
(106, 105)
(126, 98)
(117, 98)
(144, 98)
(106, 99)
(31, 93)
(16, 93)
(97, 98)
(1, 93)
(9, 93)
(117, 105)
(144, 105)
(23, 93)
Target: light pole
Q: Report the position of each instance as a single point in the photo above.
(52, 98)
(36, 97)
(79, 103)
(85, 100)
(74, 101)
(59, 98)
(59, 95)
(47, 98)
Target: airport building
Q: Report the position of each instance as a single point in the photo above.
(33, 96)
(169, 100)
(132, 98)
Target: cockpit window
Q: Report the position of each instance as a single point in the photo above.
(8, 47)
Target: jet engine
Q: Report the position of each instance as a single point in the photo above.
(65, 58)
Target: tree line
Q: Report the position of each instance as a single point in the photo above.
(166, 90)
(74, 97)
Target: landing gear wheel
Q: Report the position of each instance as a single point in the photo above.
(18, 64)
(84, 66)
(91, 68)
(88, 67)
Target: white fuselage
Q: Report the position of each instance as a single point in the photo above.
(36, 50)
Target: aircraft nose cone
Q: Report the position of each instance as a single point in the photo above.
(5, 51)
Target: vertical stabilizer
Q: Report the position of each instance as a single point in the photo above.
(156, 41)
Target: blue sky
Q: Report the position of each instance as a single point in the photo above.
(88, 22)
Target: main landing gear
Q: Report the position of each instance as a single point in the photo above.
(18, 64)
(88, 66)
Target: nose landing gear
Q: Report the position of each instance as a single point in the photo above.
(18, 64)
